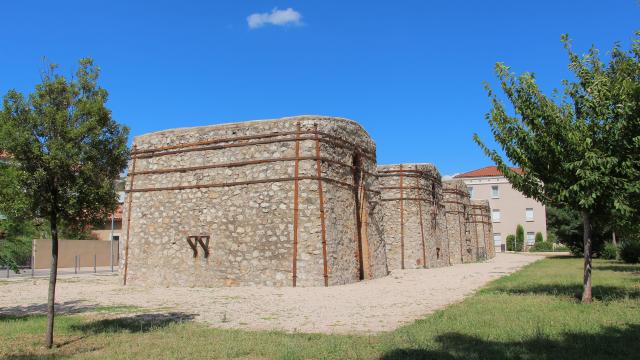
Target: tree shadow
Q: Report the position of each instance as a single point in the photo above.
(600, 292)
(26, 311)
(139, 323)
(619, 268)
(609, 343)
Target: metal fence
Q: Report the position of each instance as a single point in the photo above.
(81, 266)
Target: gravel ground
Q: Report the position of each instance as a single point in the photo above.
(366, 307)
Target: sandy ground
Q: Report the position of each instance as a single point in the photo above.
(366, 307)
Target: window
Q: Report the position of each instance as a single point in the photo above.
(495, 192)
(531, 238)
(529, 214)
(470, 190)
(497, 239)
(495, 215)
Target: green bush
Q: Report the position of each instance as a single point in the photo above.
(15, 252)
(511, 242)
(630, 251)
(609, 251)
(539, 238)
(519, 238)
(542, 246)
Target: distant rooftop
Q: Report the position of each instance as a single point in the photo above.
(486, 171)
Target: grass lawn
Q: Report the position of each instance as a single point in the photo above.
(532, 314)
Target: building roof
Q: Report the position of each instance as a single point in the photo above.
(485, 172)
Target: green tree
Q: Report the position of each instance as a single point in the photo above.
(511, 242)
(579, 150)
(65, 151)
(539, 237)
(519, 238)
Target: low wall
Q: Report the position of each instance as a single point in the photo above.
(69, 249)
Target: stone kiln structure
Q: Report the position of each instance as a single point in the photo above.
(481, 215)
(286, 202)
(413, 216)
(296, 201)
(457, 207)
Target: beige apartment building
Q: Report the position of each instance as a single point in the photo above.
(509, 207)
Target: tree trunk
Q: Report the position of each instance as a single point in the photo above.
(586, 292)
(613, 238)
(53, 275)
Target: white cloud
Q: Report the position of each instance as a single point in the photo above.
(275, 17)
(449, 177)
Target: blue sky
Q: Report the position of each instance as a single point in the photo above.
(410, 72)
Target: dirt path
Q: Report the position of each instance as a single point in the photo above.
(366, 307)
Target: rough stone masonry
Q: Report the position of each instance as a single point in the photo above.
(294, 201)
(287, 202)
(413, 216)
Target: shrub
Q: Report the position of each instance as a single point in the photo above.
(630, 251)
(539, 238)
(542, 246)
(511, 242)
(15, 252)
(519, 238)
(609, 251)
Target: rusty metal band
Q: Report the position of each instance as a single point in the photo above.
(252, 137)
(484, 240)
(240, 183)
(358, 221)
(237, 164)
(129, 202)
(409, 172)
(456, 192)
(406, 198)
(407, 175)
(480, 222)
(462, 238)
(426, 191)
(401, 221)
(475, 227)
(446, 229)
(321, 200)
(454, 202)
(365, 225)
(295, 210)
(424, 250)
(326, 139)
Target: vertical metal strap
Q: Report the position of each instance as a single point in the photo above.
(446, 231)
(475, 226)
(365, 225)
(129, 201)
(295, 208)
(321, 198)
(401, 220)
(484, 236)
(424, 250)
(462, 239)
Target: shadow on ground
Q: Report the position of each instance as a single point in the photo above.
(67, 307)
(619, 268)
(610, 343)
(139, 323)
(604, 293)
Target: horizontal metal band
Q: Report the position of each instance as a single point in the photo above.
(240, 183)
(238, 164)
(216, 144)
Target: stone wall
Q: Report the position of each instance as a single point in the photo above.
(413, 216)
(482, 217)
(457, 208)
(239, 185)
